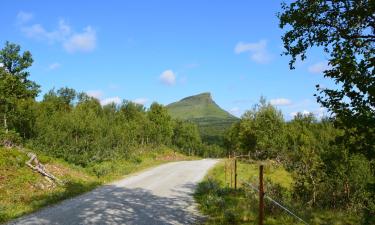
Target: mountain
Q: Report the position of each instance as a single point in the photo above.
(203, 110)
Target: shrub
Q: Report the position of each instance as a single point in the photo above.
(10, 139)
(102, 169)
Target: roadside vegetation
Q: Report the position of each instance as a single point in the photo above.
(323, 168)
(23, 191)
(225, 205)
(80, 141)
(332, 159)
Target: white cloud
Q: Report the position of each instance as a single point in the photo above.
(258, 51)
(140, 101)
(81, 42)
(1, 64)
(54, 66)
(319, 67)
(71, 41)
(304, 112)
(95, 94)
(24, 17)
(280, 101)
(38, 32)
(235, 111)
(106, 101)
(318, 113)
(321, 112)
(168, 77)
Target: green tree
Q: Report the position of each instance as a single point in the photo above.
(262, 130)
(14, 83)
(162, 127)
(345, 31)
(186, 137)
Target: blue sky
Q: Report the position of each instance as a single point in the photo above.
(162, 51)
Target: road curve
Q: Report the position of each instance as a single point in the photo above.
(162, 195)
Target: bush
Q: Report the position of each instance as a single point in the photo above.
(102, 169)
(230, 216)
(10, 139)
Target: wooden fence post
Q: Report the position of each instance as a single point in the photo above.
(261, 196)
(231, 170)
(235, 172)
(225, 172)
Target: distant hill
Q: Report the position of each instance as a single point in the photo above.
(202, 110)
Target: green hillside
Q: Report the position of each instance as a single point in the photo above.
(202, 110)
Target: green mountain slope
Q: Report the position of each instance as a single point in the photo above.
(202, 110)
(197, 106)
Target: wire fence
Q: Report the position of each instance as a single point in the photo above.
(275, 202)
(231, 168)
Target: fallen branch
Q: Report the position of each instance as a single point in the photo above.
(41, 169)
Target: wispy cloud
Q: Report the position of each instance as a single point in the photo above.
(71, 41)
(303, 112)
(38, 32)
(318, 67)
(81, 42)
(235, 111)
(24, 17)
(318, 113)
(54, 66)
(280, 101)
(98, 94)
(106, 101)
(168, 77)
(258, 51)
(140, 101)
(95, 94)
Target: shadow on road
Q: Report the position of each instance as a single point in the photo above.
(120, 205)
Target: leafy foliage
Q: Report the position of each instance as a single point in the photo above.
(260, 132)
(325, 174)
(345, 31)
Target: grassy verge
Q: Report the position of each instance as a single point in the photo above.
(23, 191)
(224, 205)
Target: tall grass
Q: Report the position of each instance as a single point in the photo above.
(224, 205)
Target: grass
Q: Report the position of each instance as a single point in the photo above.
(224, 205)
(23, 191)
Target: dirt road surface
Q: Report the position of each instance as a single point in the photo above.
(161, 195)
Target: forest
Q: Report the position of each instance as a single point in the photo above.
(76, 127)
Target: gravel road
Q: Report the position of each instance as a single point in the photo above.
(161, 195)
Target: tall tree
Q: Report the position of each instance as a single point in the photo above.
(14, 83)
(162, 127)
(344, 30)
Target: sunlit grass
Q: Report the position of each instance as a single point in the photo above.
(23, 191)
(224, 205)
